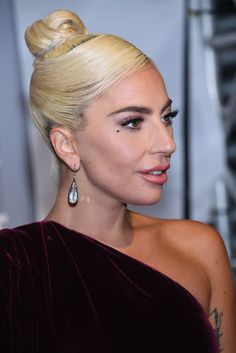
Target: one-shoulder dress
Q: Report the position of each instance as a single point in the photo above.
(64, 292)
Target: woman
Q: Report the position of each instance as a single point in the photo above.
(93, 276)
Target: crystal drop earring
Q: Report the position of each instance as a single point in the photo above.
(73, 194)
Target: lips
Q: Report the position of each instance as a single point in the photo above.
(157, 168)
(156, 175)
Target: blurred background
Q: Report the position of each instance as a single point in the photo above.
(193, 43)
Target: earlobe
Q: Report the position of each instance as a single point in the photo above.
(65, 146)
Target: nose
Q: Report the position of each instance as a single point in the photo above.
(162, 140)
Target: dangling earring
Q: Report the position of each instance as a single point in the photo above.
(73, 194)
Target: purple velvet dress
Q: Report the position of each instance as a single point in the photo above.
(64, 292)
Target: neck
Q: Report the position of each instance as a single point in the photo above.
(109, 222)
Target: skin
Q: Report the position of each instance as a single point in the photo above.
(110, 154)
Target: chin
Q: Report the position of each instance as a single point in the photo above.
(145, 201)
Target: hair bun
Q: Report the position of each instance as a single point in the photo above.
(51, 31)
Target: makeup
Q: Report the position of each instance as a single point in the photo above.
(156, 175)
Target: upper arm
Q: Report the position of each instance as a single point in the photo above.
(222, 313)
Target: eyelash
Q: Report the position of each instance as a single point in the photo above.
(167, 119)
(128, 121)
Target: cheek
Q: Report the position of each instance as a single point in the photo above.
(113, 151)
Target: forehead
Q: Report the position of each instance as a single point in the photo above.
(143, 87)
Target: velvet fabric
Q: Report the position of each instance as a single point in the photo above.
(64, 292)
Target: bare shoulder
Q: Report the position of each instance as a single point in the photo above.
(204, 251)
(207, 246)
(194, 238)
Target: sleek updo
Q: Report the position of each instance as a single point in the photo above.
(72, 67)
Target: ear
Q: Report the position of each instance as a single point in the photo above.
(65, 145)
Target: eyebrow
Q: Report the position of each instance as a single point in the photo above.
(141, 109)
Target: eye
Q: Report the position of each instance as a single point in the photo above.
(132, 123)
(167, 119)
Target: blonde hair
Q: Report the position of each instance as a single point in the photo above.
(72, 67)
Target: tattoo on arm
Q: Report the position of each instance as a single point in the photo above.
(217, 319)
